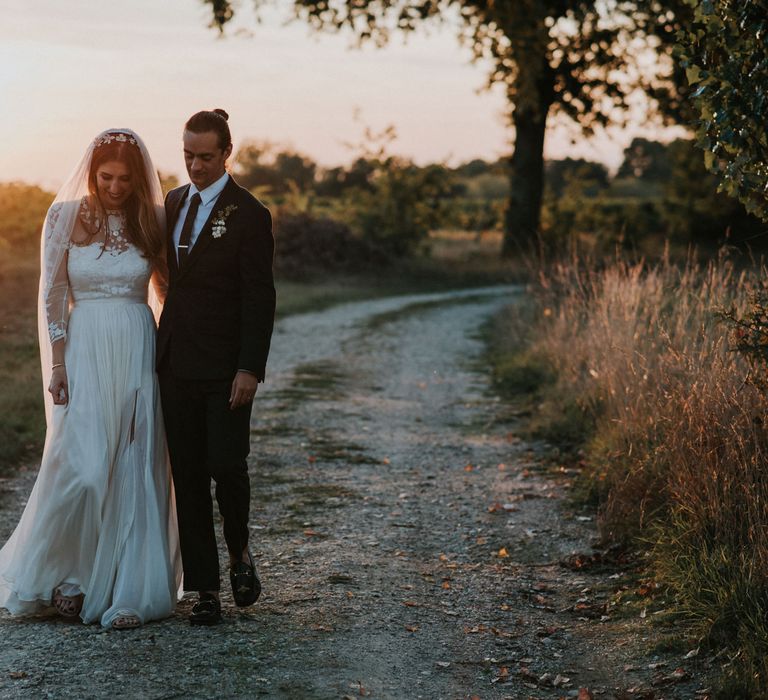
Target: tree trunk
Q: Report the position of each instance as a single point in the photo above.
(526, 173)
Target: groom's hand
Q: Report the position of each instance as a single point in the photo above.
(243, 389)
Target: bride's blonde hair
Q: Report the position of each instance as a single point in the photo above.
(143, 230)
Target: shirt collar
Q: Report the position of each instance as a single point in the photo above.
(211, 192)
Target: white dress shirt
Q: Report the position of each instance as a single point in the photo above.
(208, 198)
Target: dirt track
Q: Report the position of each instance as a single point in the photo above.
(408, 542)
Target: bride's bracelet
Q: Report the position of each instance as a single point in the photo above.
(60, 364)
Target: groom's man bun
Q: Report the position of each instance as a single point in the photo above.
(214, 120)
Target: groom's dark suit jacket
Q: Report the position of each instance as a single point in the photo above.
(220, 307)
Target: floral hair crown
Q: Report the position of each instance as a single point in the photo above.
(113, 136)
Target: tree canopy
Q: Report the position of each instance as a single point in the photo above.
(725, 55)
(584, 61)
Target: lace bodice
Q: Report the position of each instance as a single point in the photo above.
(96, 274)
(108, 268)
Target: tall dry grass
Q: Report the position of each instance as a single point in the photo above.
(674, 431)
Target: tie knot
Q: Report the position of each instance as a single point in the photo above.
(195, 199)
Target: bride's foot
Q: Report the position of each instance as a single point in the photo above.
(126, 622)
(67, 605)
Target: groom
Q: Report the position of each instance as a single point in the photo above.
(212, 347)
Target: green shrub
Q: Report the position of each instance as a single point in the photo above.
(22, 210)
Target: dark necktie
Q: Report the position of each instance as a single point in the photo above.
(186, 231)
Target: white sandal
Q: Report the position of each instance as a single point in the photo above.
(125, 620)
(67, 605)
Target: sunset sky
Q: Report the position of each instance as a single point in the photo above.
(70, 69)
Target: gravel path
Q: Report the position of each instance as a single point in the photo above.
(409, 543)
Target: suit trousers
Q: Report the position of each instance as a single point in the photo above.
(206, 441)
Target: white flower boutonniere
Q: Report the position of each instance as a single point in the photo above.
(220, 222)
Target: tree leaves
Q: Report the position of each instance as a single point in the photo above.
(724, 53)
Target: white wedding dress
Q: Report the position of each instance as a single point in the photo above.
(101, 518)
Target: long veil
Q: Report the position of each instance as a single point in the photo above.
(53, 296)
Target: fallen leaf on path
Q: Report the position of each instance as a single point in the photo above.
(585, 694)
(412, 628)
(527, 675)
(502, 677)
(442, 664)
(18, 675)
(497, 507)
(411, 603)
(588, 611)
(647, 588)
(677, 676)
(502, 553)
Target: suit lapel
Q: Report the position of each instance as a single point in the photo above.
(227, 197)
(173, 215)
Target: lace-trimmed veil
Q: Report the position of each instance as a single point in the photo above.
(53, 297)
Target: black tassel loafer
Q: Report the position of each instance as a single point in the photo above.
(246, 586)
(206, 611)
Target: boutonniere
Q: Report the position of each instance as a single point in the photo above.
(220, 222)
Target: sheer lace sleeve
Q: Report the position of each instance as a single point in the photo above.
(55, 288)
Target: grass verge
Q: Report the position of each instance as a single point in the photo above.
(22, 423)
(631, 367)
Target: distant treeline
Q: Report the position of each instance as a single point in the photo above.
(381, 206)
(660, 191)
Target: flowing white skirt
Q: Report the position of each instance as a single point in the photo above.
(101, 517)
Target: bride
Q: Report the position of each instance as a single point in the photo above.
(98, 536)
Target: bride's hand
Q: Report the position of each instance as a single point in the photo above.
(58, 386)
